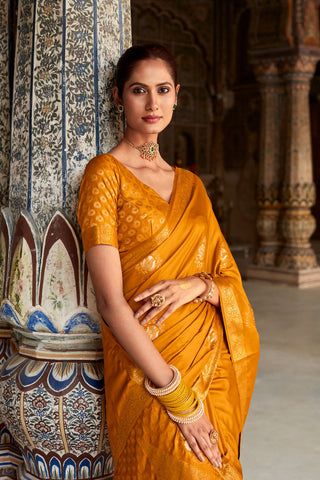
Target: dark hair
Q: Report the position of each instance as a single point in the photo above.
(136, 54)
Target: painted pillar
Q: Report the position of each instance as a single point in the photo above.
(4, 103)
(268, 188)
(51, 391)
(298, 190)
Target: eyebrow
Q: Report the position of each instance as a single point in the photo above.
(146, 86)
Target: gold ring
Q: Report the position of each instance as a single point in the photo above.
(214, 436)
(157, 300)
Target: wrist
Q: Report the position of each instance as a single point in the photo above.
(208, 281)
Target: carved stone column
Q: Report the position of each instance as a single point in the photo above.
(269, 179)
(298, 189)
(292, 46)
(51, 391)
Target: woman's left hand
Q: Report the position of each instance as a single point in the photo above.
(175, 293)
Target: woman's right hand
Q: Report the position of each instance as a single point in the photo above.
(197, 436)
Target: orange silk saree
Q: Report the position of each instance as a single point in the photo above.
(216, 350)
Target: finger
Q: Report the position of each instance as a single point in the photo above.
(153, 313)
(143, 309)
(172, 308)
(195, 448)
(212, 453)
(150, 291)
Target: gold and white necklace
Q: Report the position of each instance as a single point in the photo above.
(148, 151)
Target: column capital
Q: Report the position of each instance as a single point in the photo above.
(298, 195)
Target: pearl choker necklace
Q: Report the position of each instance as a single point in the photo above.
(148, 151)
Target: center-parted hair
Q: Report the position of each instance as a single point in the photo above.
(138, 53)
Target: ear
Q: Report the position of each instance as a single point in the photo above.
(177, 90)
(116, 98)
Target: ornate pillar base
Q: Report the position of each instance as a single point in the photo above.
(53, 405)
(307, 278)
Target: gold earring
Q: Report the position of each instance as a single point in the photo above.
(120, 108)
(174, 106)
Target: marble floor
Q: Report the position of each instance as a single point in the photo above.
(281, 440)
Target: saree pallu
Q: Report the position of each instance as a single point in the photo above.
(216, 350)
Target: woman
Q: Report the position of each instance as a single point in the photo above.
(149, 233)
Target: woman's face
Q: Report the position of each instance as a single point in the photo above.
(148, 97)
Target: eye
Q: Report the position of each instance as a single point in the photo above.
(164, 90)
(138, 90)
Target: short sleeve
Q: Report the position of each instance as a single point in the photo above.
(97, 210)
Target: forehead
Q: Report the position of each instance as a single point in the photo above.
(150, 71)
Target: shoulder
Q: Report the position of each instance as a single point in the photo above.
(192, 179)
(103, 166)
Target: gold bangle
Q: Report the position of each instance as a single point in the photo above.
(171, 387)
(211, 290)
(191, 418)
(180, 401)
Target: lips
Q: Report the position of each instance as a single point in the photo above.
(151, 118)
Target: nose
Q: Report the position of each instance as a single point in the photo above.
(152, 102)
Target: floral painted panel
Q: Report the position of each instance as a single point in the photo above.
(5, 105)
(59, 287)
(72, 47)
(82, 133)
(20, 291)
(19, 164)
(114, 37)
(46, 122)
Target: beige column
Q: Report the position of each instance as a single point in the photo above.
(298, 190)
(269, 178)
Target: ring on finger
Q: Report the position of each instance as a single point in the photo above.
(157, 300)
(214, 436)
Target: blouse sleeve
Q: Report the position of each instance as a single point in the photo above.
(97, 210)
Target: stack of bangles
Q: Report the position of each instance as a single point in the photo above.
(180, 401)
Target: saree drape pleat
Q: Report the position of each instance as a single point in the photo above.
(216, 350)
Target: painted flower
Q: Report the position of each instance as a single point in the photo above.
(82, 129)
(46, 109)
(80, 98)
(81, 35)
(18, 287)
(47, 10)
(80, 404)
(82, 428)
(42, 427)
(44, 75)
(82, 446)
(80, 68)
(48, 42)
(58, 287)
(48, 445)
(39, 402)
(21, 266)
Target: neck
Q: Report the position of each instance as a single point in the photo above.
(138, 138)
(148, 150)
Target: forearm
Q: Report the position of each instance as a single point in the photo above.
(133, 338)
